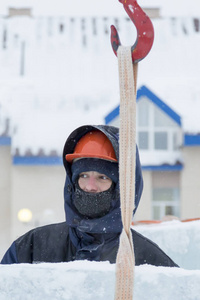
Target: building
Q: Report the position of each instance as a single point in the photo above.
(169, 157)
(31, 192)
(57, 72)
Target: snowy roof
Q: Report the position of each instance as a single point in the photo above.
(171, 70)
(101, 7)
(143, 91)
(70, 75)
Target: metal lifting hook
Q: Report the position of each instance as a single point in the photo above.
(145, 31)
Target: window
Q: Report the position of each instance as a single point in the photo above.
(143, 140)
(161, 119)
(176, 141)
(143, 113)
(165, 202)
(160, 141)
(155, 129)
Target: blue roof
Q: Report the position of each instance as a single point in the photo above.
(5, 141)
(191, 140)
(144, 91)
(37, 160)
(177, 167)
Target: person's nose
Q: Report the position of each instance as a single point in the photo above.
(91, 186)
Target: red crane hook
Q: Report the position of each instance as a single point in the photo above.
(145, 31)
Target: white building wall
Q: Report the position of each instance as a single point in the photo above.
(144, 209)
(5, 189)
(155, 179)
(40, 189)
(190, 183)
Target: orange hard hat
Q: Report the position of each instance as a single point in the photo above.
(93, 144)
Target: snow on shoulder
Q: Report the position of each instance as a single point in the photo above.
(94, 280)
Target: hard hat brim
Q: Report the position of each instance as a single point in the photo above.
(71, 157)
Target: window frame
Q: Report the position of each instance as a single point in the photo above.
(163, 204)
(171, 129)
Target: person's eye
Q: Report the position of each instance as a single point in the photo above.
(104, 177)
(83, 175)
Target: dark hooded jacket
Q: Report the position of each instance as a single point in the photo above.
(81, 238)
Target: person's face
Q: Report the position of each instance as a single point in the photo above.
(94, 182)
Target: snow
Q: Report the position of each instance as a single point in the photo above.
(171, 8)
(93, 280)
(171, 70)
(96, 280)
(180, 240)
(101, 8)
(48, 93)
(66, 83)
(66, 7)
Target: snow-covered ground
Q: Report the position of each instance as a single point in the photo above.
(91, 280)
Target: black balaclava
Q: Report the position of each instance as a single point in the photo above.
(94, 205)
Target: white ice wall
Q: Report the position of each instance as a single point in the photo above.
(91, 280)
(180, 240)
